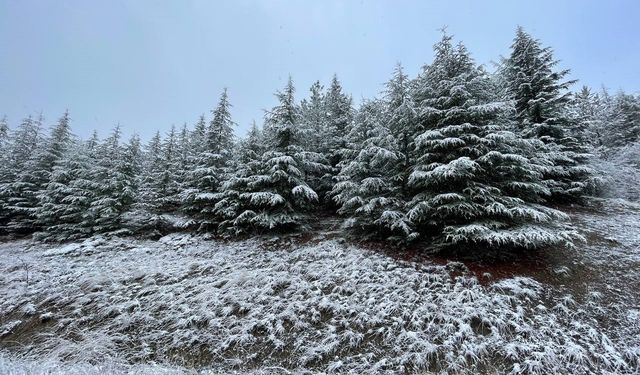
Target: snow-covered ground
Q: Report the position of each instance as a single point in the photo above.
(185, 304)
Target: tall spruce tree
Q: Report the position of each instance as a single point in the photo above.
(24, 142)
(623, 127)
(474, 186)
(151, 179)
(198, 139)
(368, 191)
(400, 116)
(231, 204)
(6, 172)
(130, 168)
(63, 213)
(314, 130)
(184, 156)
(314, 119)
(210, 166)
(276, 194)
(160, 181)
(4, 135)
(168, 184)
(373, 186)
(197, 144)
(339, 115)
(35, 174)
(113, 184)
(584, 111)
(541, 98)
(368, 116)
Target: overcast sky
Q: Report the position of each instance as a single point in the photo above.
(150, 64)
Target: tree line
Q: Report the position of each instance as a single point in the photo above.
(457, 157)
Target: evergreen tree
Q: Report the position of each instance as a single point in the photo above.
(92, 143)
(584, 113)
(339, 112)
(184, 156)
(401, 122)
(373, 186)
(275, 193)
(624, 122)
(113, 184)
(6, 172)
(152, 181)
(35, 174)
(16, 185)
(167, 185)
(313, 120)
(369, 116)
(4, 137)
(211, 166)
(315, 132)
(130, 170)
(198, 141)
(65, 201)
(599, 114)
(541, 95)
(538, 91)
(367, 190)
(474, 185)
(249, 156)
(197, 145)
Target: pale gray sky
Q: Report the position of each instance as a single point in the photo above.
(149, 64)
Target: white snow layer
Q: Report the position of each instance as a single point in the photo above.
(183, 304)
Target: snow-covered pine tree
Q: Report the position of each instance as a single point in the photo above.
(339, 116)
(197, 144)
(277, 194)
(35, 174)
(5, 165)
(167, 185)
(313, 119)
(198, 139)
(623, 128)
(23, 144)
(130, 170)
(584, 114)
(400, 118)
(248, 165)
(474, 186)
(63, 213)
(315, 125)
(159, 186)
(6, 169)
(367, 190)
(150, 192)
(4, 136)
(137, 216)
(537, 89)
(93, 141)
(253, 146)
(113, 184)
(373, 186)
(211, 167)
(184, 153)
(599, 111)
(541, 98)
(163, 173)
(368, 117)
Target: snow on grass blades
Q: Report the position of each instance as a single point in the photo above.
(327, 307)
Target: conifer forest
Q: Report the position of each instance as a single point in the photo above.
(469, 219)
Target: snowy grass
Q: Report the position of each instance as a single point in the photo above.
(184, 304)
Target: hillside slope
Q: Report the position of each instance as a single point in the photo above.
(185, 304)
